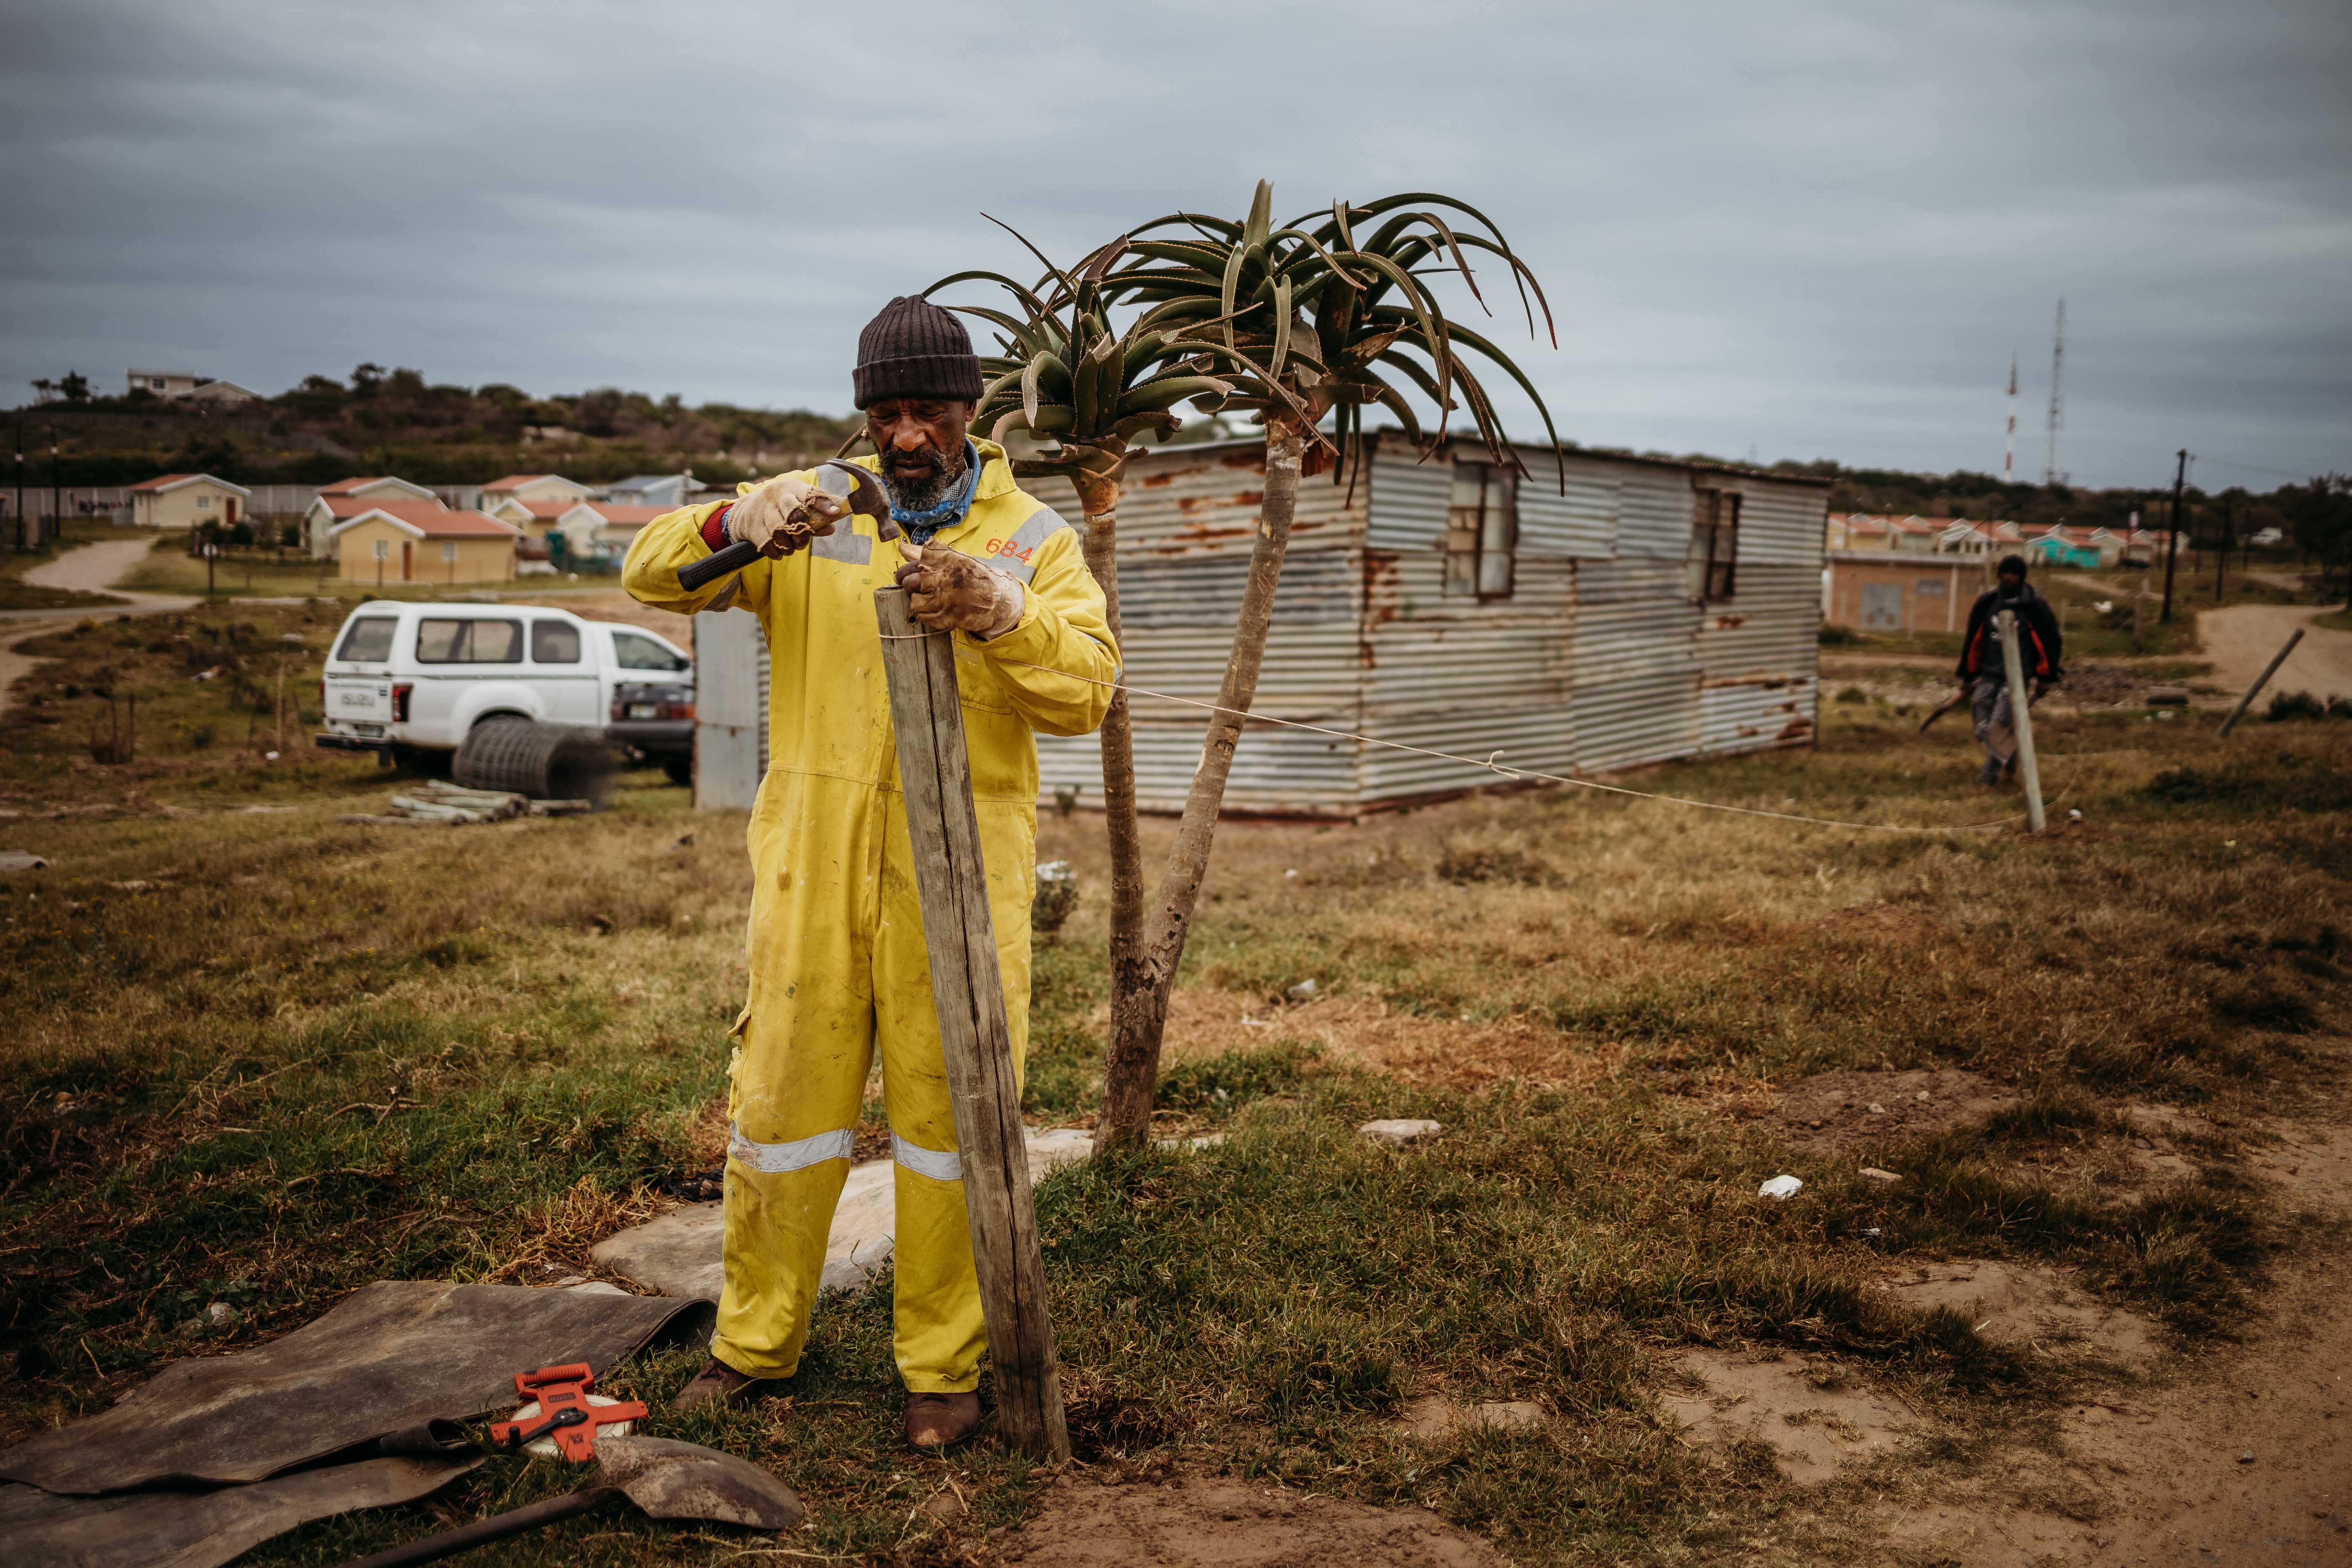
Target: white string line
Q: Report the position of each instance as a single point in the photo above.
(1494, 767)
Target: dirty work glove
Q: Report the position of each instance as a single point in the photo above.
(782, 516)
(949, 591)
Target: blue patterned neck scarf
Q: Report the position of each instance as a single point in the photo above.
(921, 526)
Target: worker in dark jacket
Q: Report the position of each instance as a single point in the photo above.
(1984, 675)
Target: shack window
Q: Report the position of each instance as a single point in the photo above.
(1714, 544)
(1481, 531)
(469, 642)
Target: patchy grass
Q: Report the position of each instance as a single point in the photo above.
(264, 1057)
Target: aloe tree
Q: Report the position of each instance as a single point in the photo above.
(1069, 379)
(1297, 326)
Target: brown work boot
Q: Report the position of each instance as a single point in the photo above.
(935, 1420)
(717, 1381)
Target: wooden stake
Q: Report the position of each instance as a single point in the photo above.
(968, 989)
(2259, 681)
(2020, 720)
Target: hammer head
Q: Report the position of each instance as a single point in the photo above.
(866, 498)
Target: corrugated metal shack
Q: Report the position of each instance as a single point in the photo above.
(1657, 609)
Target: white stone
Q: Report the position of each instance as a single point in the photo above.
(1779, 1187)
(1398, 1132)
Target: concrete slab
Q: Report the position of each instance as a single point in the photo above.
(678, 1254)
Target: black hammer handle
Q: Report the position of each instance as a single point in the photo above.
(482, 1532)
(694, 574)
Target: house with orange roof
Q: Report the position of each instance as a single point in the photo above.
(386, 543)
(185, 500)
(348, 497)
(532, 488)
(597, 533)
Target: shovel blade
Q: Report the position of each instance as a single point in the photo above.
(670, 1479)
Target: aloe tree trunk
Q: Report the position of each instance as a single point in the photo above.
(1139, 1020)
(1100, 499)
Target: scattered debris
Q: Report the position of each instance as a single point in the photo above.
(1812, 1415)
(1302, 990)
(1780, 1188)
(19, 861)
(440, 805)
(1873, 1174)
(1397, 1133)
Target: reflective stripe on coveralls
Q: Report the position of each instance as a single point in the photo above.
(838, 966)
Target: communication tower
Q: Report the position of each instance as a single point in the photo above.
(2050, 470)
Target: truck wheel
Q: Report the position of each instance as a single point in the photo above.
(545, 761)
(679, 769)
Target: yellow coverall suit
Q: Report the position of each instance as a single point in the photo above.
(837, 932)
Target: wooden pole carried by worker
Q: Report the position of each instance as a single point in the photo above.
(935, 774)
(2259, 681)
(2020, 720)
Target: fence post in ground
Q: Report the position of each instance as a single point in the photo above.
(2020, 720)
(934, 776)
(2259, 681)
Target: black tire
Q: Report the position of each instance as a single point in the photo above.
(681, 769)
(545, 761)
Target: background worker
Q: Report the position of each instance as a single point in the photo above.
(1984, 675)
(835, 942)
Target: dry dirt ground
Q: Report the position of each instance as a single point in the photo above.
(2240, 641)
(1218, 1521)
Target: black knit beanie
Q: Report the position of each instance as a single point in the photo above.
(914, 348)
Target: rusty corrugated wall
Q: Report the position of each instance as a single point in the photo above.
(1601, 658)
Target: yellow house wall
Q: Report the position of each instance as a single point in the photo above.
(1948, 611)
(178, 508)
(479, 559)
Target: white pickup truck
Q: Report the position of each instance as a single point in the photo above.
(408, 678)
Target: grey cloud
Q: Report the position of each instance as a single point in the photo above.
(1814, 230)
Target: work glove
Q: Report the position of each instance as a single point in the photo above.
(782, 516)
(951, 592)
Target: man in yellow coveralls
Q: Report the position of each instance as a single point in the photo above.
(835, 940)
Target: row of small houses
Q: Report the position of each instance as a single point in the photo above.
(1592, 614)
(2043, 544)
(385, 529)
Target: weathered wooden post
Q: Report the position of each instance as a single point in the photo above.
(935, 773)
(2259, 681)
(2020, 720)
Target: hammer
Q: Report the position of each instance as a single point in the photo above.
(837, 477)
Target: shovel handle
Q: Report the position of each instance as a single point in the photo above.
(695, 575)
(482, 1532)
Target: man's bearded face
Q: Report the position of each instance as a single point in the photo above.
(920, 441)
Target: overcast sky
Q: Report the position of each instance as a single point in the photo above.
(1803, 230)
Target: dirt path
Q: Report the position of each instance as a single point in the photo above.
(2239, 1454)
(2240, 640)
(91, 569)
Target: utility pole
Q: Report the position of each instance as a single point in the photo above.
(2172, 538)
(57, 485)
(20, 484)
(2228, 537)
